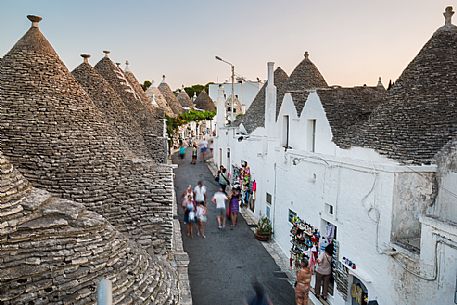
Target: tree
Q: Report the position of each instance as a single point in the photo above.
(197, 88)
(146, 84)
(186, 117)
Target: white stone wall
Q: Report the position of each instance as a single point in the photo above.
(366, 194)
(246, 91)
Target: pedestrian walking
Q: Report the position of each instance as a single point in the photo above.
(200, 193)
(188, 192)
(194, 154)
(324, 272)
(203, 148)
(303, 283)
(261, 297)
(201, 219)
(188, 205)
(234, 207)
(220, 199)
(182, 151)
(223, 180)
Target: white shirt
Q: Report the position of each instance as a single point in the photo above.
(204, 143)
(200, 193)
(220, 199)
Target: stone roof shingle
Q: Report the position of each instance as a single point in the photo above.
(203, 101)
(255, 114)
(170, 97)
(349, 107)
(111, 106)
(184, 99)
(153, 93)
(54, 134)
(46, 237)
(420, 115)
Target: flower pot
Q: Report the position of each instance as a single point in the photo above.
(262, 236)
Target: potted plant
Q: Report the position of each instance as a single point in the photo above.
(264, 229)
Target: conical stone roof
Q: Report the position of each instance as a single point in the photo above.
(154, 94)
(171, 98)
(150, 122)
(203, 101)
(184, 99)
(255, 114)
(420, 115)
(110, 104)
(55, 250)
(52, 131)
(305, 76)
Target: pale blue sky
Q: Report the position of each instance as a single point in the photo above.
(352, 41)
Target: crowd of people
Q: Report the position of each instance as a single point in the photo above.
(227, 202)
(194, 206)
(201, 148)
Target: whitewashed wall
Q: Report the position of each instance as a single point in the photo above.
(365, 194)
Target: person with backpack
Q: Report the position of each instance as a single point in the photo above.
(223, 179)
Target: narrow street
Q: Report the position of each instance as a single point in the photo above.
(223, 265)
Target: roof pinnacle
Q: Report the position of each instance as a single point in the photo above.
(127, 66)
(163, 78)
(106, 53)
(35, 20)
(85, 58)
(306, 55)
(448, 15)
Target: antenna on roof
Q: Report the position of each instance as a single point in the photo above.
(85, 58)
(448, 15)
(306, 55)
(35, 20)
(106, 53)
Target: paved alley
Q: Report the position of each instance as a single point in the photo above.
(223, 265)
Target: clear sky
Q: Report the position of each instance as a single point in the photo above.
(352, 42)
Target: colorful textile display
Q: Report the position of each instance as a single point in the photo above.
(304, 238)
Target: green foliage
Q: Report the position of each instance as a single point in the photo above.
(146, 84)
(197, 89)
(264, 226)
(187, 117)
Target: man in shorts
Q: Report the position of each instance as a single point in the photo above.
(220, 199)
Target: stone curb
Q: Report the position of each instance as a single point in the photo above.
(181, 260)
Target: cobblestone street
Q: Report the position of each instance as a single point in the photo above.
(223, 265)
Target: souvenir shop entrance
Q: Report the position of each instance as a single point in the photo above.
(308, 242)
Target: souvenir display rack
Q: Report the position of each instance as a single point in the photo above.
(303, 237)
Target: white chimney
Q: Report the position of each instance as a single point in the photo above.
(220, 104)
(270, 101)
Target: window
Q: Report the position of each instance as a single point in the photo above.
(311, 135)
(329, 208)
(285, 131)
(268, 198)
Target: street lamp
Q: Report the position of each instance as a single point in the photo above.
(232, 117)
